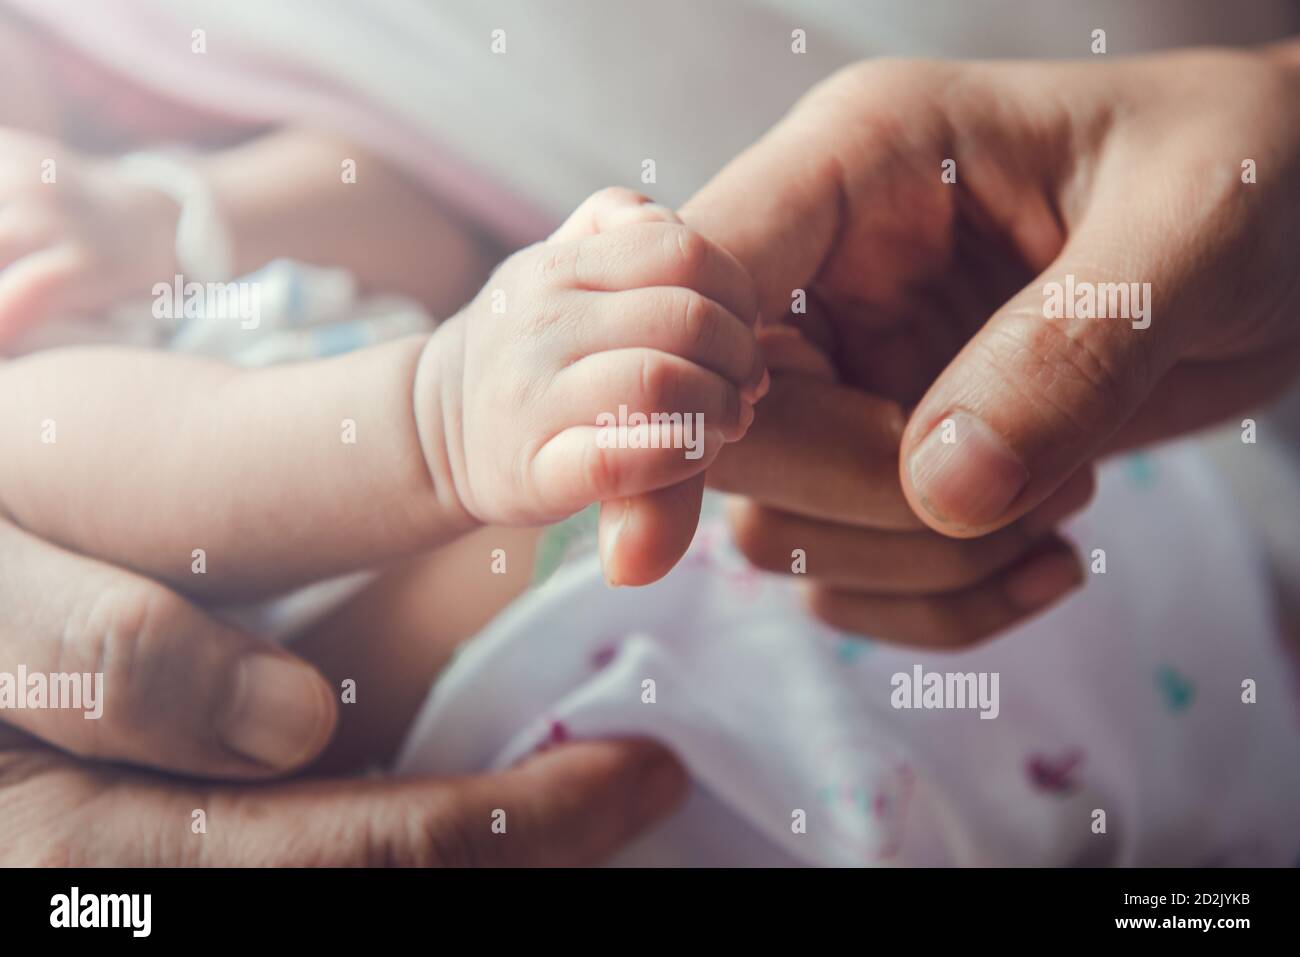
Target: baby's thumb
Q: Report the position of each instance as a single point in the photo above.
(1046, 382)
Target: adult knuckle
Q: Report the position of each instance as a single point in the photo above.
(881, 91)
(119, 634)
(754, 531)
(442, 836)
(34, 830)
(1063, 366)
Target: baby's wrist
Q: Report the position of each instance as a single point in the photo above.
(439, 419)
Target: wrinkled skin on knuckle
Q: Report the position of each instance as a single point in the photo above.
(1062, 368)
(439, 835)
(34, 831)
(258, 830)
(57, 812)
(884, 101)
(124, 633)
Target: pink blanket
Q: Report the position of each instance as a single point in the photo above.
(252, 75)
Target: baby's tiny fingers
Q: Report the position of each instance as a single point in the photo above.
(648, 254)
(586, 464)
(623, 388)
(679, 321)
(611, 208)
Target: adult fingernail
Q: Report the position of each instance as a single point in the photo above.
(663, 785)
(1044, 579)
(965, 473)
(278, 716)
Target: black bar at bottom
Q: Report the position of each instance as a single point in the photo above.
(332, 906)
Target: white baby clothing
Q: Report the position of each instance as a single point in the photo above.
(1126, 729)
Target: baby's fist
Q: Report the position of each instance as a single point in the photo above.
(612, 360)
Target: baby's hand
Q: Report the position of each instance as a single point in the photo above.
(75, 237)
(614, 359)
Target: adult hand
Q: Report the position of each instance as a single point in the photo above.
(183, 692)
(571, 806)
(933, 292)
(930, 295)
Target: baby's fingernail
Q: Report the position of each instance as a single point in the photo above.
(647, 212)
(746, 416)
(661, 210)
(756, 386)
(278, 715)
(1043, 579)
(618, 514)
(964, 472)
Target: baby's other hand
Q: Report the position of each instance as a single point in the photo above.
(614, 359)
(75, 237)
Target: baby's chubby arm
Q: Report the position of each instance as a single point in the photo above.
(140, 458)
(143, 458)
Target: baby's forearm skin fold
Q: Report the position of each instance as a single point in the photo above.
(143, 459)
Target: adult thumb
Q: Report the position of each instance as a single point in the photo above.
(1048, 379)
(572, 806)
